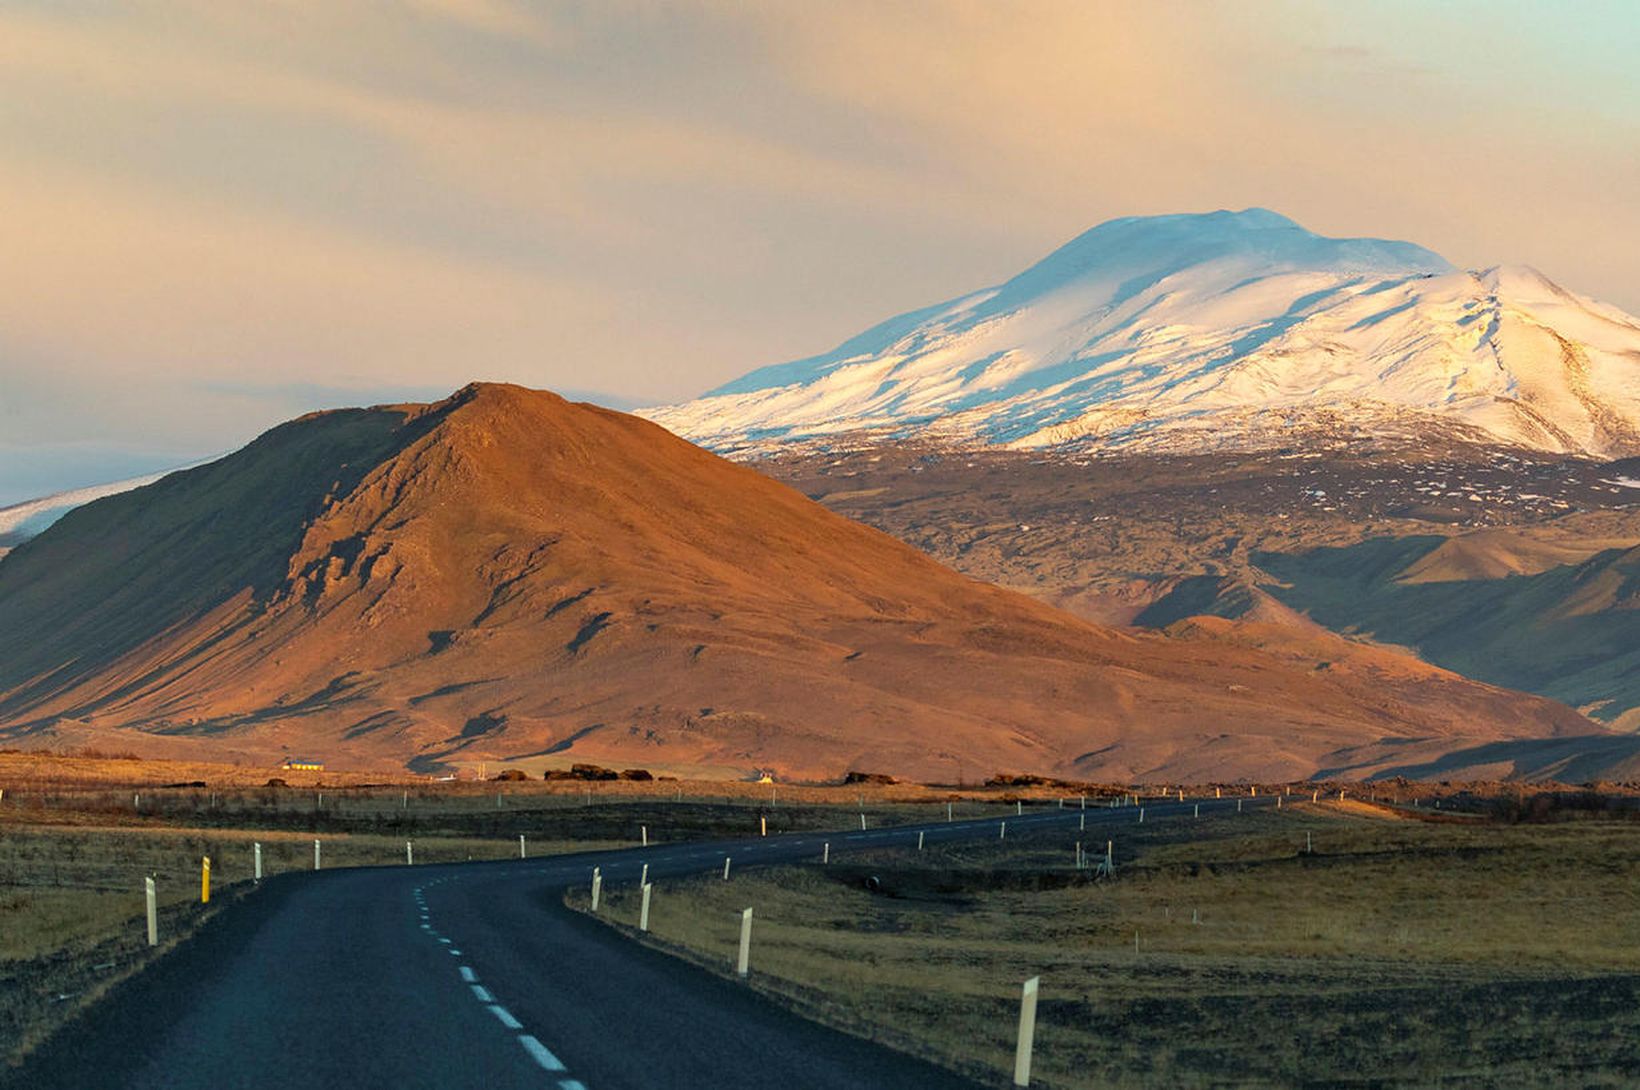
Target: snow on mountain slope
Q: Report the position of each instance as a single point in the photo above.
(21, 521)
(1212, 330)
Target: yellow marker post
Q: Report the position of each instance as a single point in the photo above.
(205, 881)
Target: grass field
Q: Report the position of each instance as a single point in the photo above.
(1401, 952)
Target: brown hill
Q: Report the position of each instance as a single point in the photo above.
(506, 575)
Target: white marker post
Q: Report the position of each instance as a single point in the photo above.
(825, 852)
(522, 852)
(1027, 1032)
(1019, 807)
(643, 878)
(919, 841)
(409, 853)
(1084, 802)
(1002, 831)
(1082, 823)
(948, 811)
(1141, 815)
(1238, 806)
(643, 911)
(725, 868)
(153, 912)
(745, 943)
(597, 888)
(862, 823)
(643, 834)
(256, 856)
(1198, 809)
(315, 853)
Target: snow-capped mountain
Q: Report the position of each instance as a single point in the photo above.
(1213, 330)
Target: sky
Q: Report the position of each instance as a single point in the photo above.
(219, 215)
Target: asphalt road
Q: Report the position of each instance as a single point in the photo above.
(476, 975)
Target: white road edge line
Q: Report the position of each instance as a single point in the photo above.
(540, 1053)
(482, 994)
(505, 1016)
(571, 1084)
(468, 975)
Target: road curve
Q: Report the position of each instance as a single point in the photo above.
(475, 975)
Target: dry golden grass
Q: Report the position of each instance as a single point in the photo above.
(43, 770)
(72, 782)
(1405, 952)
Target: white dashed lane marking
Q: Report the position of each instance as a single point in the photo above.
(540, 1053)
(532, 1046)
(505, 1016)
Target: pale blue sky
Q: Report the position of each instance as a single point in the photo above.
(219, 215)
